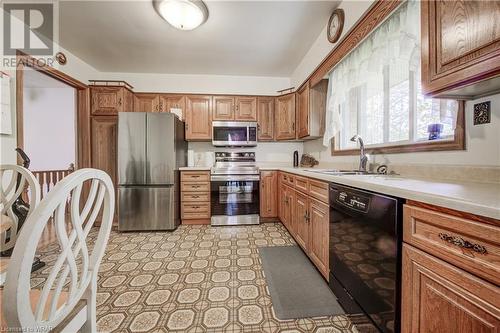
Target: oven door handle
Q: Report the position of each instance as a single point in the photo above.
(225, 178)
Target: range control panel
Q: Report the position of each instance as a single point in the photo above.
(354, 201)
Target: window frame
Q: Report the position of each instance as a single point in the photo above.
(458, 142)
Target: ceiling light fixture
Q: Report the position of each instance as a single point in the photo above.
(182, 14)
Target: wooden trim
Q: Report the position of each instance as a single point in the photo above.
(83, 153)
(377, 13)
(453, 212)
(27, 60)
(458, 143)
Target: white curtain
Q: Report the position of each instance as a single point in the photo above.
(395, 44)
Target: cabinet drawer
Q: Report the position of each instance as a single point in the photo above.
(195, 187)
(195, 210)
(471, 245)
(287, 178)
(318, 190)
(195, 197)
(192, 176)
(302, 184)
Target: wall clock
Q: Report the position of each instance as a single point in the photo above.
(335, 25)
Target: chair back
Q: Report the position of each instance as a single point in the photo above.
(10, 190)
(89, 193)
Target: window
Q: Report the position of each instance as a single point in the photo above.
(375, 91)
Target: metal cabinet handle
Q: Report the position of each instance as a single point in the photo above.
(463, 243)
(196, 196)
(161, 107)
(195, 176)
(120, 101)
(195, 186)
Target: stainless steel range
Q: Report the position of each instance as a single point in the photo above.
(235, 189)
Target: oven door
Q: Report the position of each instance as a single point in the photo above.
(234, 195)
(233, 133)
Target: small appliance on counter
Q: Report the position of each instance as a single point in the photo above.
(234, 189)
(296, 159)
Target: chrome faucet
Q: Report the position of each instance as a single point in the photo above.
(362, 156)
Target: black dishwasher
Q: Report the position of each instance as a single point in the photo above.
(365, 254)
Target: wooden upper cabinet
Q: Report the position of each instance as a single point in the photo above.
(311, 109)
(223, 108)
(245, 108)
(108, 100)
(198, 117)
(168, 102)
(285, 117)
(147, 102)
(269, 194)
(438, 297)
(460, 47)
(265, 118)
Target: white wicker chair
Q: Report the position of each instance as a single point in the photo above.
(76, 267)
(8, 195)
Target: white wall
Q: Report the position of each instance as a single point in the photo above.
(49, 127)
(483, 145)
(265, 152)
(203, 84)
(321, 47)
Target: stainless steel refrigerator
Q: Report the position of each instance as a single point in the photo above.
(151, 148)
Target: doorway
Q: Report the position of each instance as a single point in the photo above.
(49, 127)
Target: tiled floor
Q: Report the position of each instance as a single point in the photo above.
(195, 279)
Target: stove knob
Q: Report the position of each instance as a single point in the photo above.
(246, 154)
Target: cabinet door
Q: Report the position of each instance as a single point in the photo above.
(198, 117)
(460, 46)
(246, 108)
(223, 108)
(106, 100)
(319, 222)
(285, 117)
(265, 118)
(438, 297)
(269, 194)
(282, 202)
(303, 112)
(301, 222)
(169, 102)
(147, 103)
(129, 105)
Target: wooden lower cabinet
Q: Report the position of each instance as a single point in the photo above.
(104, 134)
(440, 298)
(301, 219)
(195, 197)
(319, 228)
(306, 218)
(268, 194)
(104, 146)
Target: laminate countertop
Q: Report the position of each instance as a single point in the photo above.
(472, 197)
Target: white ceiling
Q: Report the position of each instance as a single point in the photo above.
(255, 38)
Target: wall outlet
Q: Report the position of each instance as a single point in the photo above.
(482, 113)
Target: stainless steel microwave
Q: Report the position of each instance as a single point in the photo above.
(234, 133)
